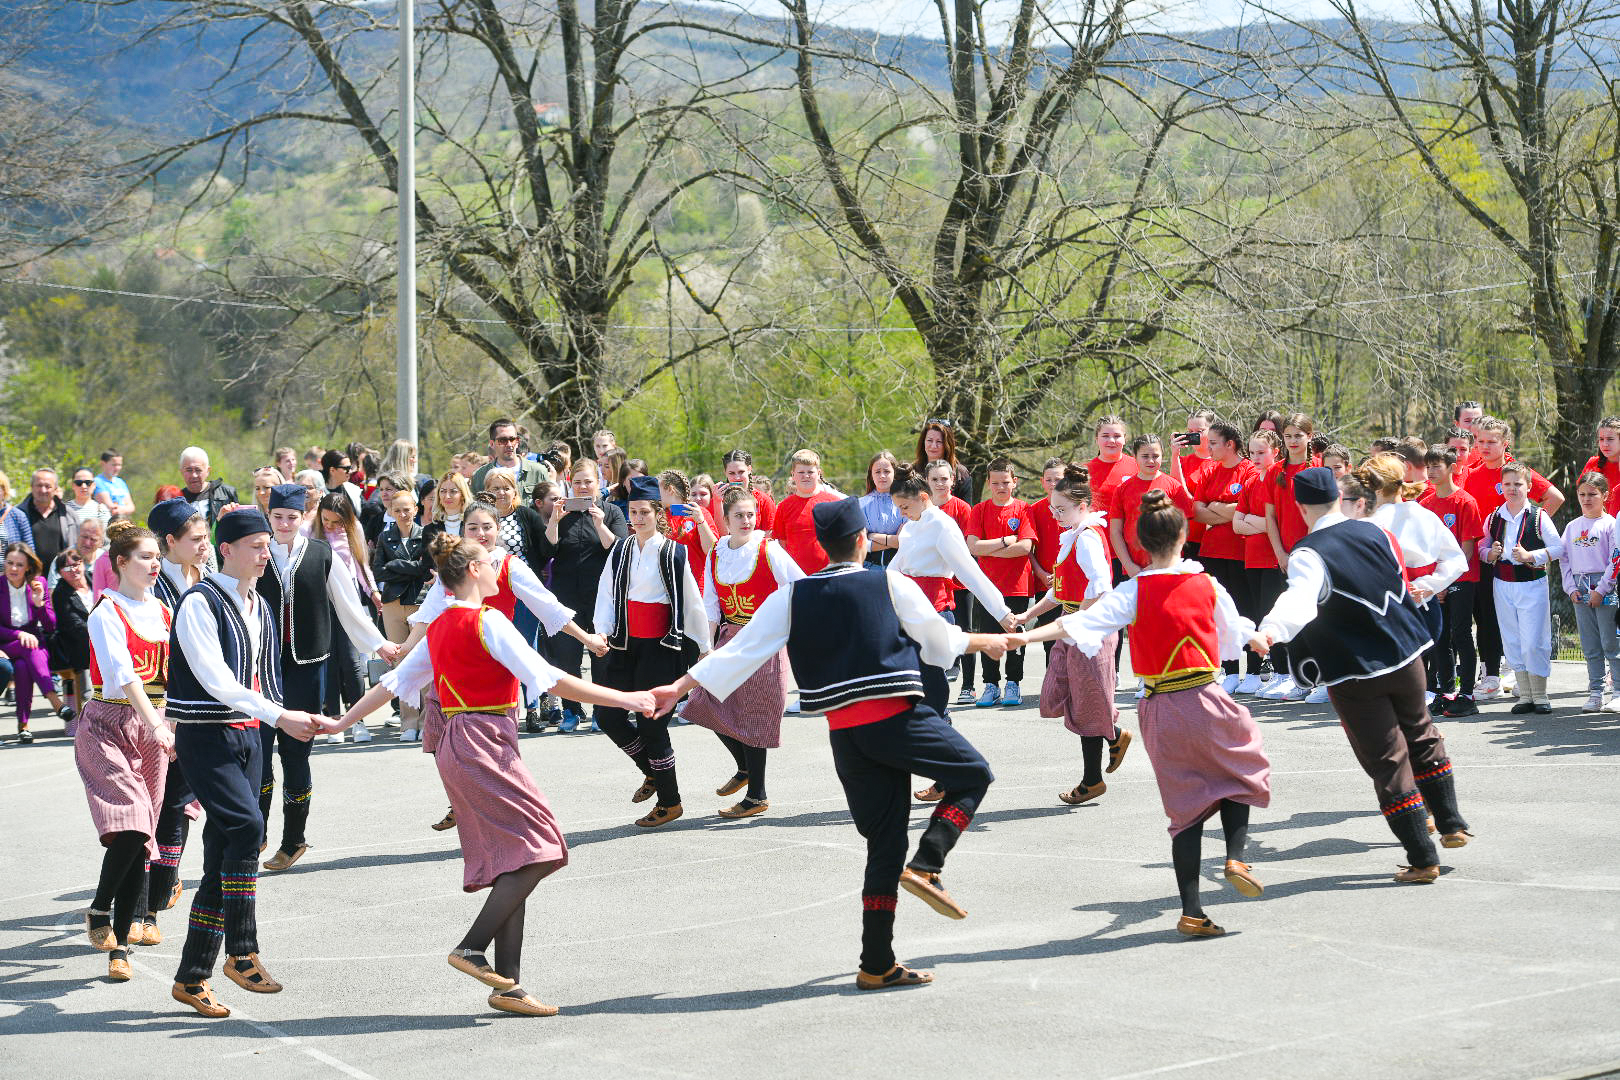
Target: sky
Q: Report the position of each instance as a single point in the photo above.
(920, 16)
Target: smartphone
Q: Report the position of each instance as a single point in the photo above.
(679, 510)
(573, 503)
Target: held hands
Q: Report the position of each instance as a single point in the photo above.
(1013, 621)
(390, 652)
(644, 702)
(664, 698)
(1260, 643)
(597, 644)
(302, 725)
(1015, 641)
(996, 645)
(1420, 593)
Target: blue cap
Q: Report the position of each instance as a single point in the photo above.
(1315, 486)
(289, 497)
(645, 488)
(168, 517)
(836, 520)
(240, 523)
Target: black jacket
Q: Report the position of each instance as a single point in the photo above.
(397, 564)
(219, 495)
(69, 647)
(579, 557)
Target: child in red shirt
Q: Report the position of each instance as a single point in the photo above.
(1048, 533)
(738, 466)
(793, 526)
(1124, 506)
(1285, 525)
(1001, 535)
(1221, 550)
(1255, 521)
(689, 523)
(941, 481)
(1453, 663)
(1189, 467)
(1111, 462)
(1607, 460)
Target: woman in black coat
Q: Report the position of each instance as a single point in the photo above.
(521, 531)
(69, 647)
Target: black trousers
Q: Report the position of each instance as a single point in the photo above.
(1486, 628)
(1231, 575)
(1266, 584)
(345, 674)
(301, 686)
(172, 827)
(966, 605)
(875, 764)
(223, 766)
(936, 688)
(984, 624)
(567, 653)
(641, 665)
(1455, 663)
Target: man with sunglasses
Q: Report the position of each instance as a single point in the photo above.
(506, 452)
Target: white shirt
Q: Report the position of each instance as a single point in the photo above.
(19, 605)
(1117, 610)
(340, 588)
(452, 525)
(1514, 533)
(1424, 540)
(112, 647)
(1092, 558)
(736, 565)
(766, 634)
(176, 575)
(647, 587)
(540, 601)
(933, 546)
(196, 634)
(504, 644)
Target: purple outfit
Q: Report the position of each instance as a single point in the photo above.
(33, 665)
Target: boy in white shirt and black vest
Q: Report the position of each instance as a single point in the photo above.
(857, 643)
(224, 684)
(1519, 544)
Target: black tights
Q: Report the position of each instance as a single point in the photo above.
(501, 919)
(750, 763)
(1186, 852)
(123, 875)
(1091, 748)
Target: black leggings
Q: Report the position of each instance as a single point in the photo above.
(1266, 584)
(123, 876)
(1186, 852)
(1230, 574)
(501, 918)
(750, 763)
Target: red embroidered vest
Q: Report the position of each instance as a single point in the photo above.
(466, 676)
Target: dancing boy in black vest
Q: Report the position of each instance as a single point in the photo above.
(224, 683)
(857, 643)
(304, 587)
(1355, 629)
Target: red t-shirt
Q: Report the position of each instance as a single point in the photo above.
(1103, 473)
(1048, 533)
(1291, 528)
(1125, 506)
(1460, 513)
(794, 528)
(684, 531)
(1611, 473)
(1223, 484)
(1193, 471)
(1258, 554)
(959, 512)
(991, 522)
(1485, 485)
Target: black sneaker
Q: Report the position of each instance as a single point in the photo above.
(531, 722)
(553, 715)
(1461, 705)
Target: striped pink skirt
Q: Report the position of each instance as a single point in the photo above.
(432, 720)
(1080, 688)
(123, 770)
(1205, 747)
(753, 713)
(502, 818)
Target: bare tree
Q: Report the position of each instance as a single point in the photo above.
(1528, 87)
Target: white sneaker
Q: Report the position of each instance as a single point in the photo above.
(409, 735)
(1275, 688)
(1614, 705)
(335, 739)
(1489, 687)
(1428, 697)
(1318, 696)
(1250, 685)
(1230, 683)
(1594, 703)
(1296, 692)
(361, 734)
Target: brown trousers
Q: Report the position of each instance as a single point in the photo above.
(1389, 729)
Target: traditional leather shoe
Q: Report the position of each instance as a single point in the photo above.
(1199, 926)
(927, 888)
(282, 860)
(199, 996)
(1418, 875)
(150, 934)
(1082, 794)
(931, 793)
(446, 822)
(895, 977)
(118, 965)
(646, 791)
(1238, 875)
(732, 786)
(249, 974)
(101, 937)
(174, 895)
(746, 808)
(518, 1001)
(1456, 839)
(1117, 748)
(1524, 707)
(660, 815)
(469, 962)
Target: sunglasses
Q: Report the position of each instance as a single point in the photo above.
(83, 483)
(937, 420)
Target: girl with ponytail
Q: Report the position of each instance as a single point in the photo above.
(1205, 748)
(1077, 687)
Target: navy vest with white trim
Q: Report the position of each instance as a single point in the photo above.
(1366, 623)
(845, 642)
(188, 701)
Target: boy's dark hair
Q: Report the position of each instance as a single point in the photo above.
(1441, 455)
(1464, 433)
(1320, 444)
(1456, 414)
(1383, 445)
(843, 548)
(1002, 464)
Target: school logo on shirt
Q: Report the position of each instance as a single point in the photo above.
(1450, 520)
(1499, 488)
(1235, 488)
(1012, 523)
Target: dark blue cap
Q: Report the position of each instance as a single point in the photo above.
(289, 497)
(168, 517)
(836, 520)
(239, 523)
(645, 489)
(1315, 486)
